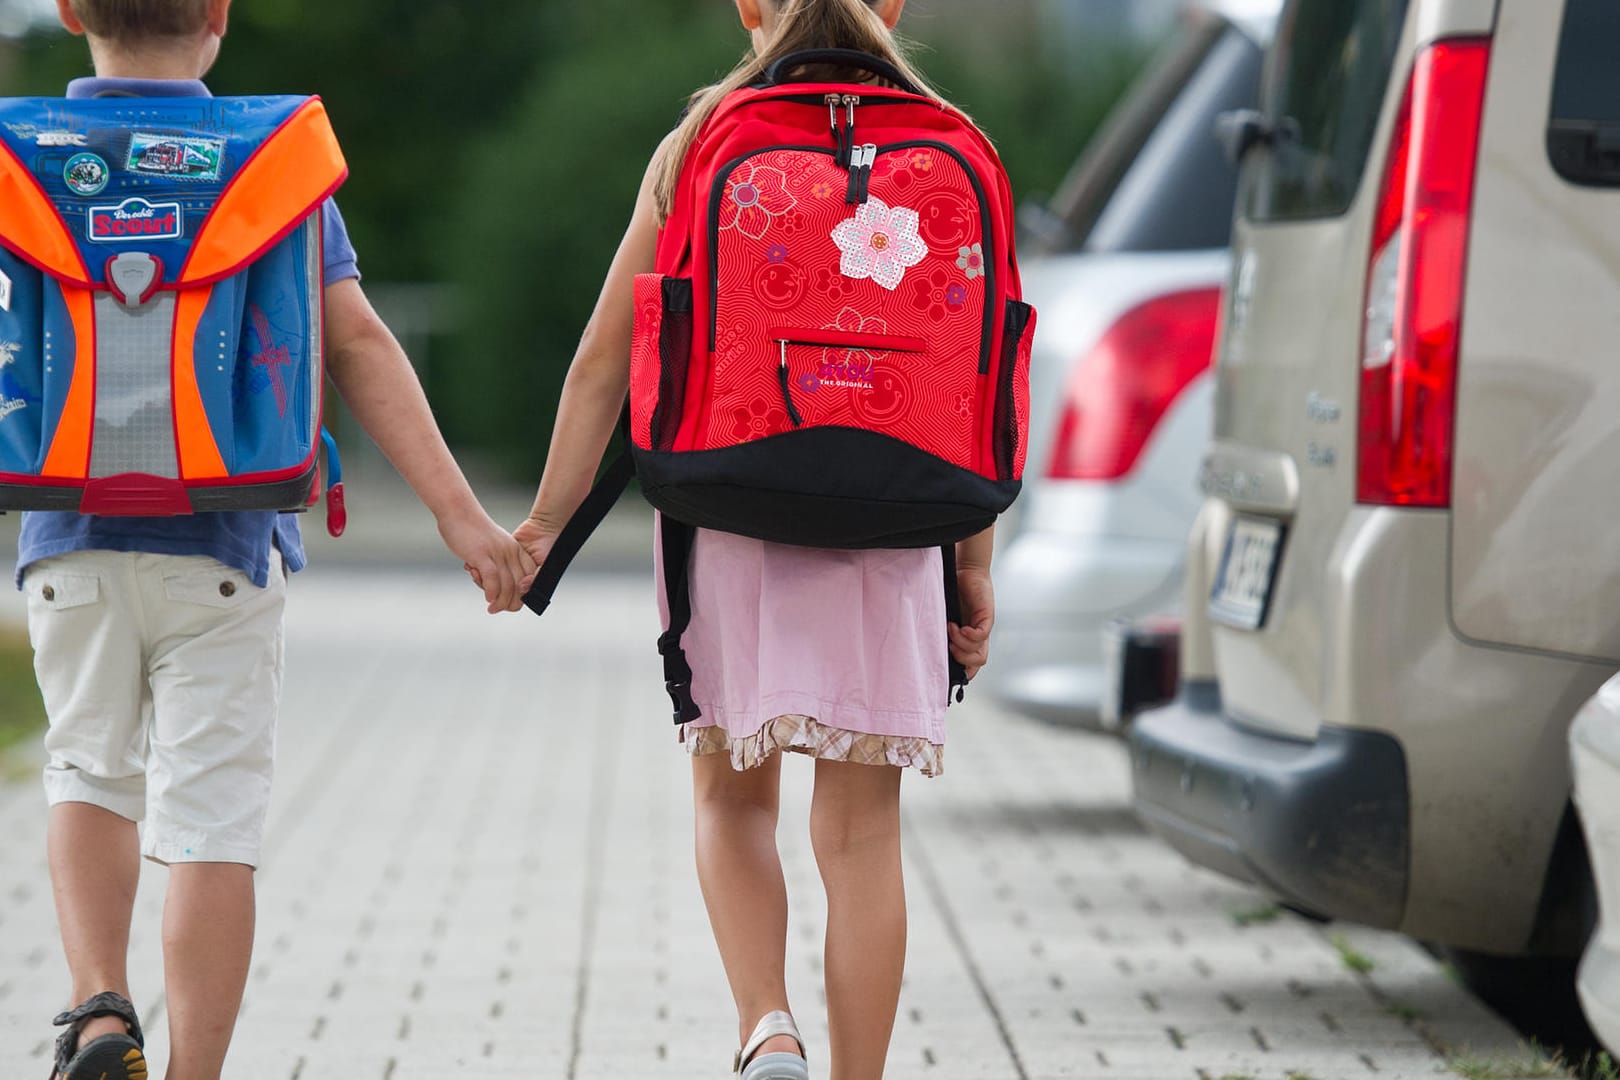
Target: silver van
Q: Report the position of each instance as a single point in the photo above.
(1403, 580)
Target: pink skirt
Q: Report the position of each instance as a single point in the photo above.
(836, 654)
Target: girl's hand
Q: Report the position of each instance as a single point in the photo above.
(970, 641)
(498, 564)
(537, 538)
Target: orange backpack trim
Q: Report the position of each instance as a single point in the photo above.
(195, 445)
(31, 227)
(287, 178)
(69, 457)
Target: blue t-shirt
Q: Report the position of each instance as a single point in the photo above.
(239, 539)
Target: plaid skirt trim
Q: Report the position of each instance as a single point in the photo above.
(806, 735)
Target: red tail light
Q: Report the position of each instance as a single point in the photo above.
(1415, 281)
(1119, 392)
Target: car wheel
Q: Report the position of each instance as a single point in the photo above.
(1536, 994)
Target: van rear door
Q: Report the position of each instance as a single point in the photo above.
(1284, 453)
(1536, 486)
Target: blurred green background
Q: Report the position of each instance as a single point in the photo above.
(496, 149)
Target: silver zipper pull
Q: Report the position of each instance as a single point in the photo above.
(860, 176)
(833, 101)
(784, 345)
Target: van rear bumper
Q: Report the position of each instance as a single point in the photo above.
(1324, 824)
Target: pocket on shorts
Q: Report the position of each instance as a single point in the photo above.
(213, 587)
(54, 590)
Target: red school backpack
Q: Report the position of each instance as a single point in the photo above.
(833, 350)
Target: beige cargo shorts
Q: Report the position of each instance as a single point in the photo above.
(161, 676)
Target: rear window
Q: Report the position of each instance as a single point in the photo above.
(1152, 179)
(1324, 88)
(1179, 192)
(1583, 133)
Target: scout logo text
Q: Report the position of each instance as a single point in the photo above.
(135, 219)
(185, 159)
(86, 174)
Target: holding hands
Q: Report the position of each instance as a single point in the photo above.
(498, 564)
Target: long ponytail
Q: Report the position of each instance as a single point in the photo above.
(802, 25)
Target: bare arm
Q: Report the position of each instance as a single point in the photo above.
(598, 380)
(975, 551)
(380, 387)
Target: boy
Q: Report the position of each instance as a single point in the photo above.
(158, 646)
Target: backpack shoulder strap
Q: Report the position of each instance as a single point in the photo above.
(953, 614)
(591, 513)
(676, 539)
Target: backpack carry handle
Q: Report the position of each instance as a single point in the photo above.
(850, 58)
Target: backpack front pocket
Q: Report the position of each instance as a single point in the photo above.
(841, 360)
(660, 354)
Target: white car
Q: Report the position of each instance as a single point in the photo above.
(1127, 271)
(1594, 744)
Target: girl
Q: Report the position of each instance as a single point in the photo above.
(840, 655)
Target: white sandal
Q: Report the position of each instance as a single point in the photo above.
(772, 1066)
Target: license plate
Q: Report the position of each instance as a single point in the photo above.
(1242, 594)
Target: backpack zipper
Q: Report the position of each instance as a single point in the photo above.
(783, 377)
(844, 134)
(860, 174)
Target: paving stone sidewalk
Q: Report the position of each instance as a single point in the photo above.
(479, 866)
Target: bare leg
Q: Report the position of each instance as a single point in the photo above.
(741, 874)
(855, 830)
(207, 947)
(95, 863)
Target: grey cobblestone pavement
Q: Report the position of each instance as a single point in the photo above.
(479, 865)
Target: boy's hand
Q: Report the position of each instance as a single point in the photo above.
(497, 563)
(970, 641)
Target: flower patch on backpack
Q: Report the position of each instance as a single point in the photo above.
(880, 242)
(756, 195)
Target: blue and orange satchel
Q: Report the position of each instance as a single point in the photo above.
(161, 283)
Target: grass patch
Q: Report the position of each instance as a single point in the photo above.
(1532, 1064)
(1602, 1067)
(1401, 1011)
(1237, 1076)
(1300, 1076)
(1353, 958)
(1258, 915)
(22, 714)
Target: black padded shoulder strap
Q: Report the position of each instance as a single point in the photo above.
(591, 513)
(953, 614)
(676, 540)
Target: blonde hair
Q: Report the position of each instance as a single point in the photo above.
(801, 25)
(141, 20)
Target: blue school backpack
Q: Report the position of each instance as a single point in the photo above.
(161, 283)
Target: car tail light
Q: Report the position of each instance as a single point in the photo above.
(1415, 281)
(1119, 392)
